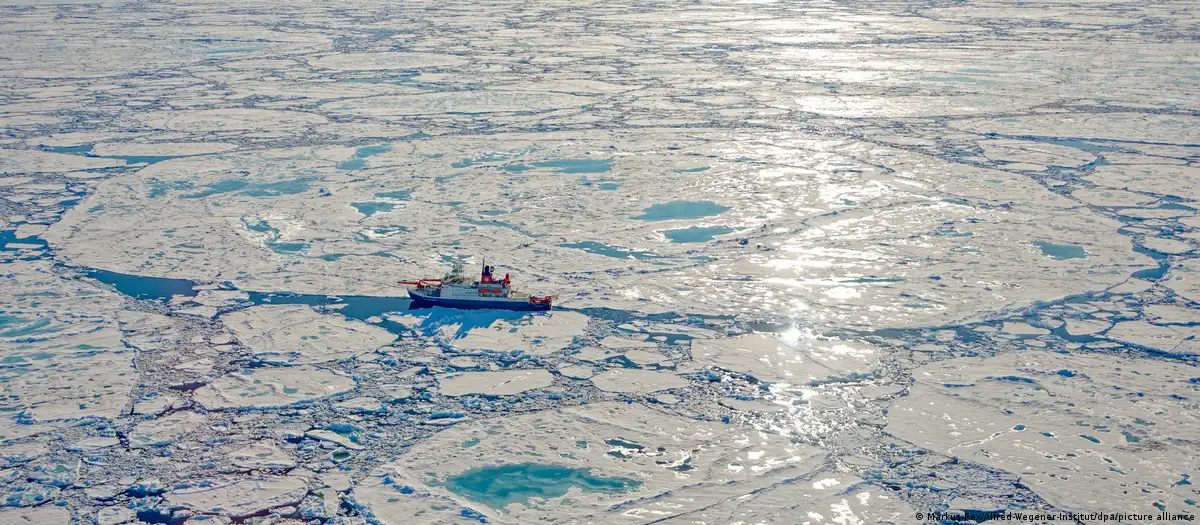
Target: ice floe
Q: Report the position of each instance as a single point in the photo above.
(1073, 427)
(791, 357)
(272, 387)
(295, 334)
(633, 462)
(535, 334)
(507, 382)
(44, 515)
(833, 498)
(240, 499)
(262, 456)
(64, 354)
(764, 227)
(164, 430)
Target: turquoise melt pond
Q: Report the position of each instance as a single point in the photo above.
(1061, 251)
(665, 211)
(371, 208)
(696, 233)
(577, 165)
(500, 486)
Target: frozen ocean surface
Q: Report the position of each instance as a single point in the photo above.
(833, 262)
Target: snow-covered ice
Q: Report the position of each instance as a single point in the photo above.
(813, 262)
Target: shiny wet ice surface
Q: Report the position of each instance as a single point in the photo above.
(813, 262)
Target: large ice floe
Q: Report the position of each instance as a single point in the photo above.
(817, 263)
(225, 219)
(272, 387)
(627, 381)
(791, 357)
(609, 462)
(1088, 433)
(63, 354)
(534, 334)
(295, 334)
(241, 499)
(506, 382)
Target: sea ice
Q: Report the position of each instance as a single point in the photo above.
(577, 372)
(262, 456)
(536, 334)
(361, 404)
(627, 381)
(241, 498)
(330, 436)
(19, 453)
(833, 497)
(809, 225)
(792, 357)
(296, 334)
(1179, 340)
(115, 516)
(681, 465)
(503, 383)
(164, 430)
(43, 515)
(1070, 425)
(64, 354)
(272, 387)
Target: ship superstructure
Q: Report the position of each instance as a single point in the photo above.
(456, 290)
